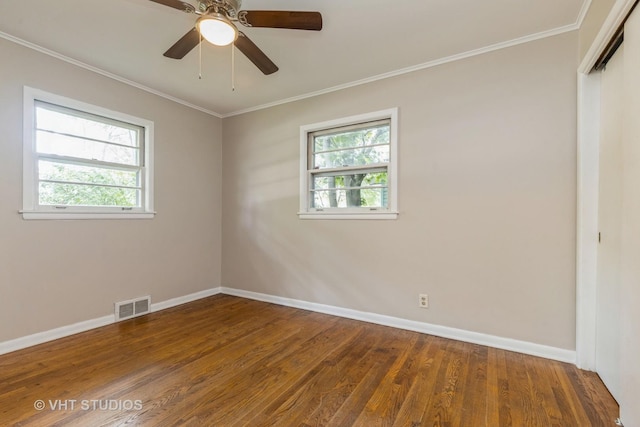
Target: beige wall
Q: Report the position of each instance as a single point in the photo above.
(487, 199)
(598, 11)
(56, 273)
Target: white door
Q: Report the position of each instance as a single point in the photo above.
(630, 260)
(609, 224)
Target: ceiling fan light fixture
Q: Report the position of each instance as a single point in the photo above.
(217, 29)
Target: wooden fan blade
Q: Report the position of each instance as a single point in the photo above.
(255, 55)
(184, 45)
(176, 4)
(281, 19)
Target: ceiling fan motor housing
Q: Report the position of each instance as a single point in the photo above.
(230, 7)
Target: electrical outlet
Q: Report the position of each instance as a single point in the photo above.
(423, 301)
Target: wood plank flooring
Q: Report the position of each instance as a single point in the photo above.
(228, 361)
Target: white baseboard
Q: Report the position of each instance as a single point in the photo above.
(562, 355)
(54, 334)
(525, 347)
(76, 328)
(163, 305)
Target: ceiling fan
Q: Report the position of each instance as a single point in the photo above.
(216, 25)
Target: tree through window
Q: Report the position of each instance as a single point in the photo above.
(348, 166)
(82, 159)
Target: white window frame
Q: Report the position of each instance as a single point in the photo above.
(391, 212)
(30, 207)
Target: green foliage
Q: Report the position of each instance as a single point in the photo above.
(81, 195)
(68, 193)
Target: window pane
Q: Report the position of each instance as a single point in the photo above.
(355, 198)
(352, 157)
(349, 165)
(61, 122)
(87, 195)
(366, 135)
(350, 180)
(49, 170)
(51, 143)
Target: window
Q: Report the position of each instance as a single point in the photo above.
(348, 167)
(83, 161)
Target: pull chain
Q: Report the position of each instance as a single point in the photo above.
(200, 57)
(233, 67)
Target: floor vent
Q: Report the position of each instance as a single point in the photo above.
(132, 308)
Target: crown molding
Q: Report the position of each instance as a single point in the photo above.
(383, 76)
(104, 73)
(418, 67)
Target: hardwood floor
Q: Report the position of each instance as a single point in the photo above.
(228, 361)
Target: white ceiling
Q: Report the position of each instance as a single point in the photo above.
(361, 39)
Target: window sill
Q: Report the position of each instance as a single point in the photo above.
(85, 215)
(345, 215)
